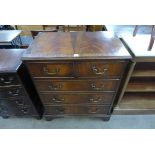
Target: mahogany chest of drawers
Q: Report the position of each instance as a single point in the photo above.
(18, 96)
(77, 73)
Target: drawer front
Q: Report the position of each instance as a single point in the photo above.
(77, 85)
(15, 91)
(76, 110)
(85, 98)
(109, 69)
(8, 79)
(53, 69)
(16, 107)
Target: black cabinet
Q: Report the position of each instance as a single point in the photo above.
(18, 96)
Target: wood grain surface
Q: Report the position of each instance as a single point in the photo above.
(74, 45)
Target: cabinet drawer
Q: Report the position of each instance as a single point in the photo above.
(8, 79)
(109, 69)
(79, 98)
(77, 85)
(15, 107)
(76, 110)
(51, 69)
(13, 91)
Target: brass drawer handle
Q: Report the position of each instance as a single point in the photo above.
(53, 72)
(93, 111)
(56, 87)
(58, 100)
(95, 100)
(93, 86)
(97, 72)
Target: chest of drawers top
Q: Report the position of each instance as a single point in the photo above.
(76, 45)
(10, 60)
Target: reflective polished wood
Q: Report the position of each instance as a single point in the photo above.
(77, 73)
(74, 45)
(10, 60)
(7, 36)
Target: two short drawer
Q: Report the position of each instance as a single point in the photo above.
(98, 68)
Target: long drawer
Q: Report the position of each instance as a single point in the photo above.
(92, 69)
(14, 91)
(16, 106)
(76, 110)
(77, 85)
(79, 98)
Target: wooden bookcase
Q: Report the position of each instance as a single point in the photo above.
(138, 92)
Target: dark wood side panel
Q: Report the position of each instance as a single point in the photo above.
(30, 89)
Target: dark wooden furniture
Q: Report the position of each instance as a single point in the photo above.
(77, 73)
(10, 37)
(152, 37)
(138, 94)
(18, 96)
